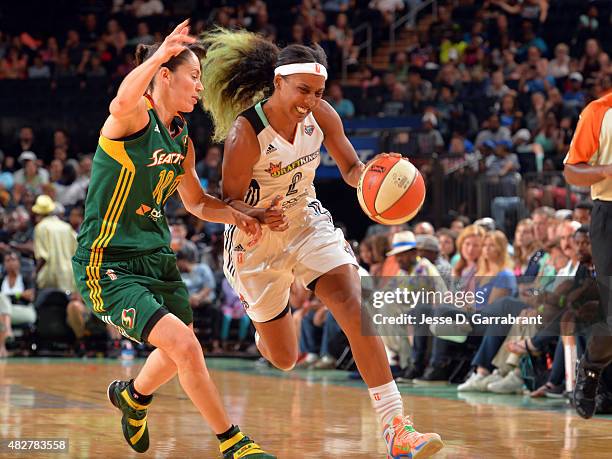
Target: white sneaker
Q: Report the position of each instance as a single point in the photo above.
(510, 384)
(310, 359)
(478, 383)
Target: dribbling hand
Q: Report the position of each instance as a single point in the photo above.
(383, 155)
(176, 42)
(274, 216)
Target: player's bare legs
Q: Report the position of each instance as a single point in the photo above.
(340, 290)
(158, 369)
(278, 342)
(181, 345)
(178, 351)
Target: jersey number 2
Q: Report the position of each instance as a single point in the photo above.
(294, 181)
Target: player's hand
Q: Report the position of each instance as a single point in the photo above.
(274, 216)
(383, 155)
(247, 224)
(176, 42)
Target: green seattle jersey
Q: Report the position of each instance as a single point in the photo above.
(131, 180)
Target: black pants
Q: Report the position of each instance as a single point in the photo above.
(599, 348)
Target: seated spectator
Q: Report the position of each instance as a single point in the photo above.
(232, 308)
(494, 276)
(429, 139)
(423, 228)
(31, 177)
(582, 212)
(16, 297)
(198, 278)
(574, 96)
(492, 130)
(209, 168)
(447, 239)
(344, 107)
(501, 170)
(39, 69)
(54, 246)
(559, 67)
(428, 247)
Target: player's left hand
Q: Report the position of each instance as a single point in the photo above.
(249, 225)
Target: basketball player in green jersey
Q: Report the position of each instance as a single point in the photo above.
(124, 267)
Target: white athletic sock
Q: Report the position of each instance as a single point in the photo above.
(387, 402)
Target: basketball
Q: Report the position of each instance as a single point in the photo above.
(391, 190)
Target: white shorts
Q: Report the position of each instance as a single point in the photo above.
(262, 275)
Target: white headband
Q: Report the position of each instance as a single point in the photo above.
(307, 67)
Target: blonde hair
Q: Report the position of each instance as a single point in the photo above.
(237, 72)
(467, 232)
(503, 259)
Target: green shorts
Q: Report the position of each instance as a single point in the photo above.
(132, 294)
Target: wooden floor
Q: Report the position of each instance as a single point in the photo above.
(297, 415)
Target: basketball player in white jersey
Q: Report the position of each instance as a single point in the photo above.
(271, 155)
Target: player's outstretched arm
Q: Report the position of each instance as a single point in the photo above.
(207, 207)
(128, 111)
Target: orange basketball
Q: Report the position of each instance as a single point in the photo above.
(391, 190)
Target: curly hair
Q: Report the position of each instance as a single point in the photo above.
(238, 71)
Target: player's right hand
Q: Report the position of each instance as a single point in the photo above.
(274, 216)
(176, 42)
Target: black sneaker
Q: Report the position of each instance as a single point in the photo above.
(409, 375)
(437, 374)
(134, 419)
(603, 403)
(587, 381)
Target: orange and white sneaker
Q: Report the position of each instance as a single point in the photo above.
(403, 442)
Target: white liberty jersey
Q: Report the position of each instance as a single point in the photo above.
(284, 168)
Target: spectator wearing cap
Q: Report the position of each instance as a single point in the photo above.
(30, 176)
(530, 155)
(428, 247)
(54, 246)
(575, 96)
(416, 273)
(429, 139)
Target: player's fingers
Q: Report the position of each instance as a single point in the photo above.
(276, 201)
(275, 221)
(180, 27)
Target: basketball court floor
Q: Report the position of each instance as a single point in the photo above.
(302, 414)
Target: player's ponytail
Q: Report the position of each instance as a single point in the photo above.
(237, 72)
